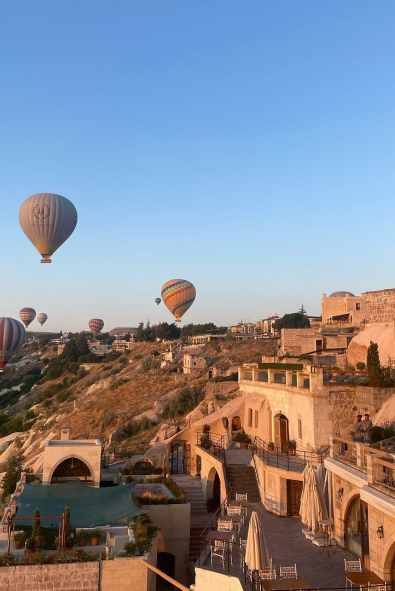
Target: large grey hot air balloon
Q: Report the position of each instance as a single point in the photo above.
(47, 220)
(42, 318)
(12, 335)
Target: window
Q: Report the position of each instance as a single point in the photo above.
(300, 428)
(250, 417)
(256, 419)
(357, 306)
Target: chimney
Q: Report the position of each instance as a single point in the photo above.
(64, 434)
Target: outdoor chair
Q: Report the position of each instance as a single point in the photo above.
(225, 525)
(243, 547)
(268, 574)
(352, 566)
(220, 549)
(288, 572)
(241, 496)
(231, 510)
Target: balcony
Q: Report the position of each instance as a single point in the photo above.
(377, 467)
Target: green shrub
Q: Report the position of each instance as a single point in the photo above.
(186, 400)
(360, 366)
(130, 549)
(149, 363)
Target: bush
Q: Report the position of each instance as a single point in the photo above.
(360, 366)
(136, 427)
(186, 400)
(130, 549)
(350, 368)
(118, 383)
(149, 363)
(380, 433)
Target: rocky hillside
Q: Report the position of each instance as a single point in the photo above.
(126, 399)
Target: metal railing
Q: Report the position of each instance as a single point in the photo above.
(212, 443)
(294, 461)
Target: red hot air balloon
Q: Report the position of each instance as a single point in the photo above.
(27, 315)
(12, 335)
(96, 324)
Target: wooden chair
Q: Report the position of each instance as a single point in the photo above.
(225, 525)
(268, 574)
(288, 572)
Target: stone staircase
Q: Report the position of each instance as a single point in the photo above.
(240, 475)
(199, 514)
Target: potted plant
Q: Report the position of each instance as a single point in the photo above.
(290, 447)
(206, 428)
(242, 438)
(19, 538)
(95, 535)
(205, 441)
(271, 446)
(82, 537)
(30, 546)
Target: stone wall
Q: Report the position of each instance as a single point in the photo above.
(221, 388)
(58, 577)
(380, 306)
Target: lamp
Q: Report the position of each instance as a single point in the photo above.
(380, 532)
(340, 493)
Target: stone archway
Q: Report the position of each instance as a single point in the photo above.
(71, 468)
(389, 560)
(213, 488)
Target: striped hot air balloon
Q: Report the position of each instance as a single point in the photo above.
(95, 325)
(12, 335)
(178, 296)
(42, 318)
(27, 315)
(47, 220)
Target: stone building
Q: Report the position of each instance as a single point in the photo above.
(194, 361)
(362, 493)
(65, 460)
(343, 308)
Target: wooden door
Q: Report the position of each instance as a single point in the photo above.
(294, 493)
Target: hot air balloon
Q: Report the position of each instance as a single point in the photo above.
(12, 335)
(178, 296)
(157, 301)
(96, 324)
(27, 315)
(42, 318)
(47, 220)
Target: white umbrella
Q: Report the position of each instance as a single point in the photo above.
(312, 506)
(257, 555)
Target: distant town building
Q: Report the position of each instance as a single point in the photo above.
(343, 308)
(194, 361)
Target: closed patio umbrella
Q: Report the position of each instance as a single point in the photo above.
(257, 555)
(312, 506)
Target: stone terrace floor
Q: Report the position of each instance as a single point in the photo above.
(287, 545)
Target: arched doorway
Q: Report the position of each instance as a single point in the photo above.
(280, 431)
(167, 564)
(198, 465)
(357, 529)
(213, 489)
(71, 469)
(176, 459)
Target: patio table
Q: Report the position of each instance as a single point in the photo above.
(364, 578)
(284, 584)
(219, 536)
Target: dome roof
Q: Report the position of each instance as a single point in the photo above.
(341, 294)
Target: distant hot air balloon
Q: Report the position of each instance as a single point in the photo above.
(42, 318)
(96, 324)
(178, 296)
(47, 220)
(157, 301)
(12, 335)
(27, 315)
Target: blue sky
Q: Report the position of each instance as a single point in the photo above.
(246, 146)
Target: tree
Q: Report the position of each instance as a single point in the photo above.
(229, 336)
(13, 471)
(295, 320)
(36, 530)
(373, 365)
(302, 310)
